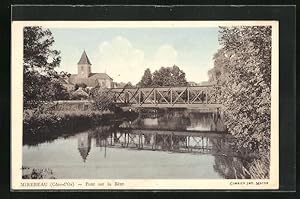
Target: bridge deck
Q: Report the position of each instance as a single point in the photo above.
(196, 106)
(202, 97)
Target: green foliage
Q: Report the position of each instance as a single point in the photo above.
(146, 79)
(129, 85)
(37, 173)
(243, 68)
(40, 126)
(165, 76)
(38, 52)
(103, 100)
(169, 76)
(41, 81)
(80, 85)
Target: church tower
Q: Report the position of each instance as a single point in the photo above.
(84, 66)
(84, 144)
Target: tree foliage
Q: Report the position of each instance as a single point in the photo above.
(165, 76)
(146, 79)
(41, 81)
(103, 100)
(80, 85)
(243, 68)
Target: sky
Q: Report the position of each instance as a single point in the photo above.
(125, 53)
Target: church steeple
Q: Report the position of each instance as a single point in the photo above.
(84, 145)
(84, 59)
(84, 66)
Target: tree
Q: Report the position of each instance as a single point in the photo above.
(80, 85)
(129, 85)
(103, 100)
(218, 72)
(169, 76)
(178, 76)
(243, 68)
(40, 60)
(146, 79)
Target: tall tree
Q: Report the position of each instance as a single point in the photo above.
(169, 76)
(218, 72)
(243, 68)
(146, 79)
(178, 76)
(41, 81)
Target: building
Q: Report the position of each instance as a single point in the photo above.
(65, 83)
(80, 94)
(85, 76)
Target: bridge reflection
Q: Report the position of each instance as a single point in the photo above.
(171, 132)
(155, 140)
(217, 144)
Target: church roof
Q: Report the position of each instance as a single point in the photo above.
(84, 59)
(100, 76)
(91, 81)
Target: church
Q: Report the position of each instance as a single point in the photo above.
(85, 76)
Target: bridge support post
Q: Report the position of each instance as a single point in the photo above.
(172, 141)
(154, 96)
(155, 137)
(139, 97)
(171, 96)
(206, 96)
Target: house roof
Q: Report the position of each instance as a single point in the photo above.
(81, 92)
(84, 59)
(91, 81)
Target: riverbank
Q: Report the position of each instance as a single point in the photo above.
(34, 173)
(49, 125)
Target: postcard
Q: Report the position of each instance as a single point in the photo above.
(143, 105)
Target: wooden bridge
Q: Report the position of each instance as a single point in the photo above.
(157, 140)
(205, 97)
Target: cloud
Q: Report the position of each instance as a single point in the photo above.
(166, 55)
(119, 59)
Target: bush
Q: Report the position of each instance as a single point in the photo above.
(45, 173)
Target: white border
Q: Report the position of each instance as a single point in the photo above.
(136, 184)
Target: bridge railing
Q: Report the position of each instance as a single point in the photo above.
(166, 96)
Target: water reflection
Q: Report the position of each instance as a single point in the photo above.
(231, 167)
(226, 163)
(178, 120)
(160, 140)
(84, 144)
(148, 141)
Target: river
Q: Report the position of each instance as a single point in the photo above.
(173, 144)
